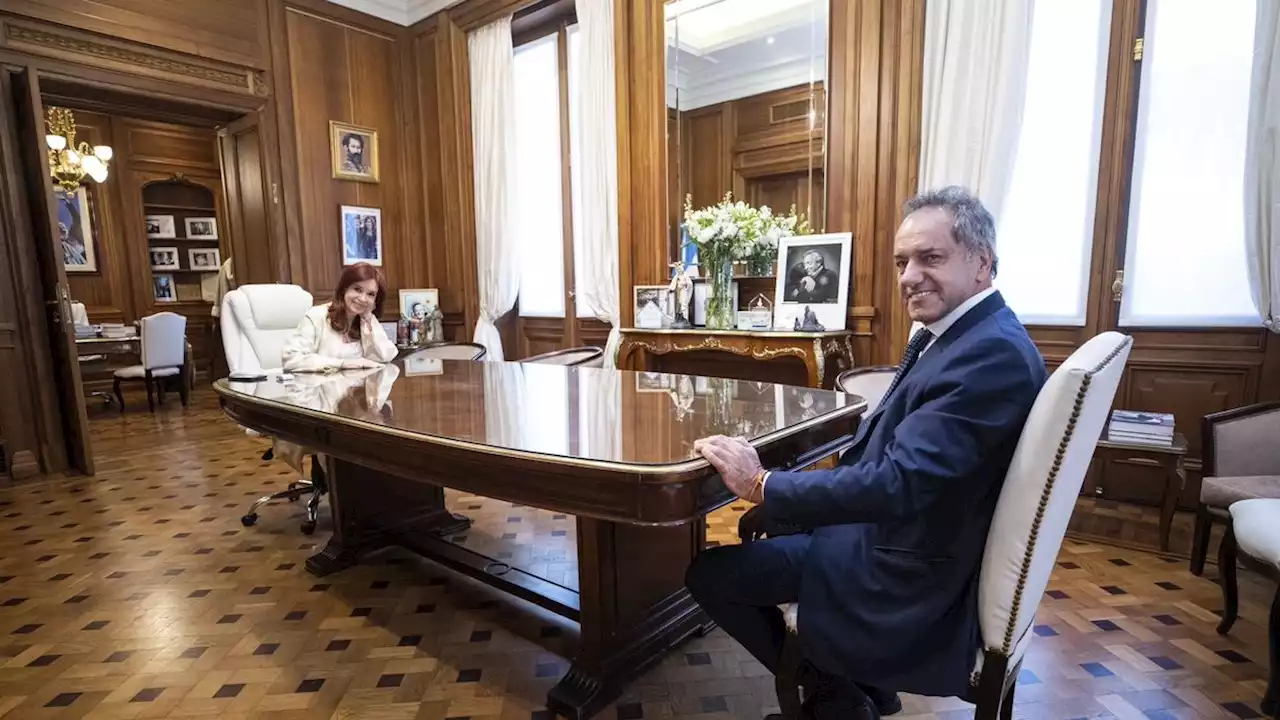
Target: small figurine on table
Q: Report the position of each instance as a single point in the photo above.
(681, 289)
(810, 322)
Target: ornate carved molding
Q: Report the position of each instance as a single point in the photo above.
(758, 347)
(85, 48)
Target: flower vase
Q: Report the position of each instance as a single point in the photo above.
(720, 309)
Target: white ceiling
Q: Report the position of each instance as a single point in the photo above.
(401, 12)
(720, 50)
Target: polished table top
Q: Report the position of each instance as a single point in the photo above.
(638, 421)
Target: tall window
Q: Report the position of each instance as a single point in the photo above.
(547, 105)
(1185, 260)
(1048, 216)
(538, 167)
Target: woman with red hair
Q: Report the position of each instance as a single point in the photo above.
(344, 333)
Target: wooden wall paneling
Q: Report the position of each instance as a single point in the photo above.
(73, 51)
(708, 137)
(251, 232)
(227, 30)
(640, 52)
(349, 73)
(448, 191)
(172, 147)
(19, 419)
(473, 14)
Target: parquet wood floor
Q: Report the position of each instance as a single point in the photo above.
(137, 594)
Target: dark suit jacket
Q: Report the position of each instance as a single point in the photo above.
(889, 595)
(825, 288)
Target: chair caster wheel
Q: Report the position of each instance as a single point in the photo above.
(308, 527)
(249, 520)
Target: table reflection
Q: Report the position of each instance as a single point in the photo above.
(613, 416)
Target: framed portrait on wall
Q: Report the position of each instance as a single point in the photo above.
(354, 152)
(361, 235)
(75, 230)
(813, 279)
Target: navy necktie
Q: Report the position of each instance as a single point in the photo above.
(909, 358)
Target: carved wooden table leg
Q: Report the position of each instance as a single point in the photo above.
(370, 507)
(634, 609)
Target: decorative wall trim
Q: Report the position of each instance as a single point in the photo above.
(86, 48)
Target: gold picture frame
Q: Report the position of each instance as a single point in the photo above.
(347, 164)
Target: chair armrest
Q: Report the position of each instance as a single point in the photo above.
(1242, 441)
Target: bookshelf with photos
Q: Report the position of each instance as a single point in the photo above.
(184, 251)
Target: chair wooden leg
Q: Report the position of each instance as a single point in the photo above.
(115, 386)
(787, 680)
(184, 389)
(151, 400)
(1200, 542)
(1006, 707)
(1227, 578)
(1271, 700)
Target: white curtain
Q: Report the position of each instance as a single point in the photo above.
(976, 54)
(597, 268)
(505, 396)
(1262, 166)
(493, 141)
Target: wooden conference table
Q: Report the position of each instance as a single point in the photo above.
(612, 447)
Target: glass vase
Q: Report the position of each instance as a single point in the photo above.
(720, 309)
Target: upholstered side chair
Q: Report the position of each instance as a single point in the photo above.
(1241, 461)
(164, 356)
(1253, 538)
(869, 383)
(1038, 497)
(573, 357)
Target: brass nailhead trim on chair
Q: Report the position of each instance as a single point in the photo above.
(1007, 648)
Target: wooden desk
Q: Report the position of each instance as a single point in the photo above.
(825, 354)
(128, 346)
(616, 451)
(1170, 458)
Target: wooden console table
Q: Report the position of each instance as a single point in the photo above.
(824, 353)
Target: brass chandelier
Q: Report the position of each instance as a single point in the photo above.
(69, 163)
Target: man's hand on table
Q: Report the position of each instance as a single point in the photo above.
(738, 464)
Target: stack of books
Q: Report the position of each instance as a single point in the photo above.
(1144, 428)
(118, 331)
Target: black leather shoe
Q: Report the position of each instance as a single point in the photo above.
(887, 702)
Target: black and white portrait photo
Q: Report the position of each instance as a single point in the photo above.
(813, 274)
(164, 258)
(160, 227)
(813, 280)
(355, 152)
(361, 235)
(202, 228)
(652, 306)
(206, 259)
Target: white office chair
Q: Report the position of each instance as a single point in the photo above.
(257, 321)
(164, 355)
(1038, 497)
(869, 383)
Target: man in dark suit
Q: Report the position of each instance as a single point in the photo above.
(885, 567)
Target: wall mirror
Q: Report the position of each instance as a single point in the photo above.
(746, 106)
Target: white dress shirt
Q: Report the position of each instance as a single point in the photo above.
(943, 324)
(316, 346)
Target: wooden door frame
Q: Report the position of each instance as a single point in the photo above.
(61, 415)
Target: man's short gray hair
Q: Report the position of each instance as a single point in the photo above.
(973, 227)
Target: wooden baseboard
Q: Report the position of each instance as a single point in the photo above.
(23, 465)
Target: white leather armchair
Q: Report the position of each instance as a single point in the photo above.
(256, 321)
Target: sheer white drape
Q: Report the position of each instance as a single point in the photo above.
(596, 217)
(1262, 166)
(976, 54)
(493, 142)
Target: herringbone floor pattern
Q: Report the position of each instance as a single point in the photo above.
(137, 594)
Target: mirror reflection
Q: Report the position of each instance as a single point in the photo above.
(746, 107)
